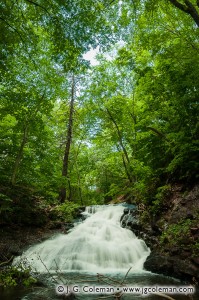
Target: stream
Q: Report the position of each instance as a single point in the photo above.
(97, 258)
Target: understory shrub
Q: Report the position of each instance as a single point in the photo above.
(66, 211)
(179, 234)
(16, 275)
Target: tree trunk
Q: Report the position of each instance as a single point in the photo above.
(79, 185)
(134, 118)
(69, 197)
(19, 155)
(62, 193)
(125, 157)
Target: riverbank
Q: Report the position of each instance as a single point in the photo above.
(15, 239)
(30, 220)
(172, 233)
(173, 237)
(35, 235)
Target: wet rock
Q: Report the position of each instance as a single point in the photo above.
(82, 208)
(133, 212)
(83, 217)
(158, 264)
(68, 226)
(171, 266)
(15, 250)
(130, 221)
(135, 225)
(126, 211)
(184, 269)
(79, 211)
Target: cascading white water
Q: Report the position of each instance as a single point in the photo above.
(99, 244)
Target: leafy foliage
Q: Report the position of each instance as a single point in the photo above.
(66, 211)
(12, 276)
(135, 117)
(159, 204)
(180, 234)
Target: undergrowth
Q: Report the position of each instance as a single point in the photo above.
(16, 275)
(180, 234)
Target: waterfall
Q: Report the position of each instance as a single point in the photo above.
(99, 244)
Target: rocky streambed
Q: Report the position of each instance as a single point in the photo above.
(178, 258)
(173, 235)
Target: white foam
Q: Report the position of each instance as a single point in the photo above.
(99, 244)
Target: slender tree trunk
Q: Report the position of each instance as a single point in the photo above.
(69, 190)
(119, 135)
(134, 118)
(19, 155)
(79, 184)
(126, 169)
(125, 157)
(62, 193)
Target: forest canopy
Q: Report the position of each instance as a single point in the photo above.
(72, 131)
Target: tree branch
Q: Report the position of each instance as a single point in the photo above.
(192, 11)
(179, 5)
(7, 262)
(189, 9)
(38, 5)
(157, 132)
(109, 4)
(119, 135)
(13, 28)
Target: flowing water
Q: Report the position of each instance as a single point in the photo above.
(98, 245)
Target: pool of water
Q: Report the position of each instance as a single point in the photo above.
(48, 287)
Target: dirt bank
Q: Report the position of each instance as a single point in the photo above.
(15, 239)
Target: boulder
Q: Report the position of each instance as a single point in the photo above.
(172, 266)
(158, 264)
(126, 211)
(79, 211)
